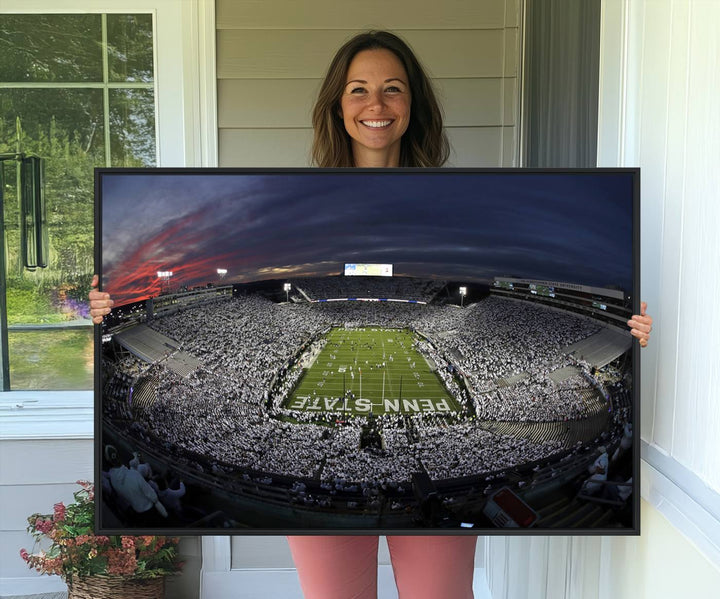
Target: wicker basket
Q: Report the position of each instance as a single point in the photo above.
(116, 587)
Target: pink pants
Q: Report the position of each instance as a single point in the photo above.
(345, 567)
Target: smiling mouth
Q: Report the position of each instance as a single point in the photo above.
(377, 124)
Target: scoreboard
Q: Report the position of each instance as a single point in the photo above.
(368, 270)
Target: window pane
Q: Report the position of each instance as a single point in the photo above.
(53, 121)
(53, 359)
(50, 48)
(50, 333)
(130, 48)
(65, 127)
(132, 127)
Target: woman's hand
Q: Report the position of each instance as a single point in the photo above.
(100, 302)
(641, 325)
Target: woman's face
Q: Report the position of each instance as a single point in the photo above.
(375, 107)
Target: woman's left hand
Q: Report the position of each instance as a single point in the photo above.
(100, 303)
(641, 325)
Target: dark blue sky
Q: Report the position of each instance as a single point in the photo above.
(573, 228)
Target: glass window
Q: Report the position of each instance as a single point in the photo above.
(79, 92)
(130, 48)
(44, 48)
(132, 127)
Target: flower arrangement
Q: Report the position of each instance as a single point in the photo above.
(75, 552)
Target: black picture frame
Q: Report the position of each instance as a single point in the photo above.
(563, 242)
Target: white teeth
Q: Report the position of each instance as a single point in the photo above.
(376, 123)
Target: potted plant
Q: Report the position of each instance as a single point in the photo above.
(96, 566)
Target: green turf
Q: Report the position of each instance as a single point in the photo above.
(352, 361)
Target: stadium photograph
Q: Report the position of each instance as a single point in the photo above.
(306, 350)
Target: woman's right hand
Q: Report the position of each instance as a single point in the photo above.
(100, 302)
(641, 325)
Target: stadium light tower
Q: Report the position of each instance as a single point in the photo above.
(165, 276)
(286, 288)
(463, 293)
(222, 272)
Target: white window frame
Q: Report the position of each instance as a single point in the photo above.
(186, 130)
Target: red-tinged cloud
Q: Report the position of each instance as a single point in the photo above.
(135, 276)
(192, 247)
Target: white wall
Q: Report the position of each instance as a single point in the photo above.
(659, 90)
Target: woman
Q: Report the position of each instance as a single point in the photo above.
(377, 108)
(363, 114)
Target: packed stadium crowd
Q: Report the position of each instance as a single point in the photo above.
(444, 458)
(247, 347)
(407, 288)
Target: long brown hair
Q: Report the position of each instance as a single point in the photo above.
(423, 144)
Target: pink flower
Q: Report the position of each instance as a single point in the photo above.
(24, 554)
(128, 543)
(53, 565)
(89, 487)
(59, 512)
(146, 540)
(44, 526)
(121, 562)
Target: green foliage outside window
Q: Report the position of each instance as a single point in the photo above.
(76, 90)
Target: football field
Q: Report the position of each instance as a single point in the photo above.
(376, 370)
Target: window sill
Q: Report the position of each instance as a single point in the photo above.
(46, 415)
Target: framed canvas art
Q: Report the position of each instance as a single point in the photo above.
(367, 351)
